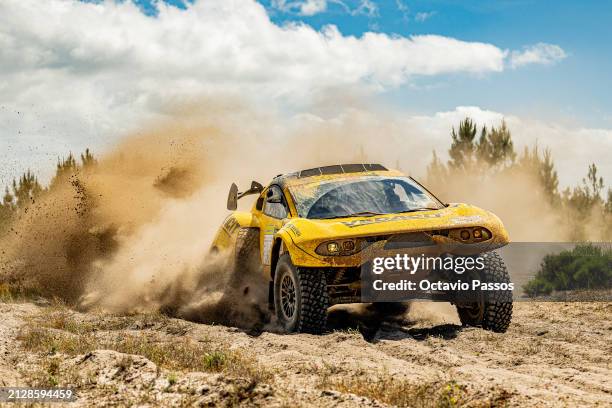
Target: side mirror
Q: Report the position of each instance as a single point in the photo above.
(232, 198)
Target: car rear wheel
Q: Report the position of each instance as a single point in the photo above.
(300, 297)
(490, 310)
(246, 259)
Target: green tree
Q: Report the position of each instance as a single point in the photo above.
(493, 149)
(88, 159)
(542, 166)
(436, 171)
(8, 200)
(484, 147)
(583, 198)
(463, 147)
(26, 190)
(500, 147)
(69, 166)
(593, 183)
(7, 210)
(63, 170)
(548, 176)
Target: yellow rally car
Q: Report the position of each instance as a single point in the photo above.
(310, 232)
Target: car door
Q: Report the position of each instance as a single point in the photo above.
(274, 211)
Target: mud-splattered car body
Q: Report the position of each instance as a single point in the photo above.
(300, 236)
(315, 232)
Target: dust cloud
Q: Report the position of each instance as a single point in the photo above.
(133, 232)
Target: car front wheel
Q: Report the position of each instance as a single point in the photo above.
(300, 297)
(493, 311)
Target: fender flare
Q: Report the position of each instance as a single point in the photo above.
(225, 236)
(243, 219)
(282, 241)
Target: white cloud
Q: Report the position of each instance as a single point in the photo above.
(75, 74)
(366, 7)
(422, 16)
(401, 6)
(112, 52)
(304, 7)
(540, 53)
(312, 7)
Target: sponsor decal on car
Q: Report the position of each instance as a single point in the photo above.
(378, 220)
(466, 220)
(230, 225)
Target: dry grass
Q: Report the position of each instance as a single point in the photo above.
(399, 392)
(48, 373)
(59, 332)
(58, 316)
(13, 292)
(403, 392)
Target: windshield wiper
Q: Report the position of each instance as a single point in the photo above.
(357, 214)
(365, 214)
(421, 209)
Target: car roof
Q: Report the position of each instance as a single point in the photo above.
(332, 172)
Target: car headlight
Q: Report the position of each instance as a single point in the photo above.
(340, 247)
(470, 235)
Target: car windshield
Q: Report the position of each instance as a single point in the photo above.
(361, 197)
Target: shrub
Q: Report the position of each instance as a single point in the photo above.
(587, 266)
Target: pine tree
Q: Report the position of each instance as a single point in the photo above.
(484, 148)
(501, 148)
(463, 148)
(27, 190)
(8, 200)
(593, 183)
(64, 169)
(543, 167)
(548, 177)
(88, 159)
(7, 210)
(436, 171)
(583, 198)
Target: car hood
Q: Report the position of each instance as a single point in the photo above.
(308, 233)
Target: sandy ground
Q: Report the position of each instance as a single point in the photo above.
(554, 354)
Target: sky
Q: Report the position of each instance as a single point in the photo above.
(76, 74)
(573, 85)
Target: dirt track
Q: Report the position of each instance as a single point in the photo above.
(554, 354)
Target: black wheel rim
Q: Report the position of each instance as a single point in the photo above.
(288, 297)
(475, 310)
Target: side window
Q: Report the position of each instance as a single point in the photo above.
(275, 205)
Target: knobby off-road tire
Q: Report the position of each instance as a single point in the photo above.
(244, 299)
(305, 310)
(246, 258)
(494, 311)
